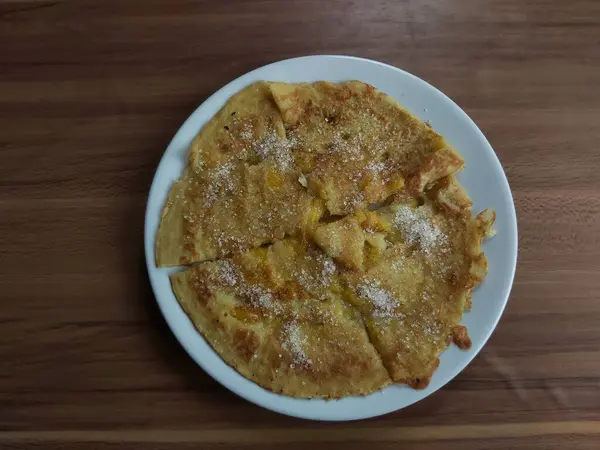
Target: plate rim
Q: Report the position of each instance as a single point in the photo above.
(149, 243)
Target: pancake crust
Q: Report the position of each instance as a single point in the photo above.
(334, 250)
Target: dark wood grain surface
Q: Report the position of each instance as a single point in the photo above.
(91, 93)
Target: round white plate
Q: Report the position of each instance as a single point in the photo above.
(483, 178)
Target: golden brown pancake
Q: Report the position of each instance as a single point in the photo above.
(272, 315)
(335, 250)
(348, 144)
(234, 208)
(239, 190)
(358, 143)
(413, 292)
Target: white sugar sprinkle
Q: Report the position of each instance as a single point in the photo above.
(375, 167)
(277, 149)
(295, 342)
(398, 263)
(262, 298)
(383, 301)
(418, 227)
(228, 273)
(219, 180)
(256, 295)
(246, 132)
(313, 281)
(329, 269)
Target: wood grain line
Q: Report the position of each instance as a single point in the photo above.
(279, 435)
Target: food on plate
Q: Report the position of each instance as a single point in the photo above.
(332, 250)
(275, 314)
(278, 156)
(420, 265)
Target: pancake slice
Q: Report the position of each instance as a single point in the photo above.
(333, 248)
(271, 313)
(262, 168)
(230, 210)
(358, 144)
(237, 132)
(413, 295)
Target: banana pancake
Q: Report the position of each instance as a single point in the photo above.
(358, 144)
(271, 313)
(417, 282)
(332, 250)
(256, 168)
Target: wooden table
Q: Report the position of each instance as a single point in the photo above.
(91, 92)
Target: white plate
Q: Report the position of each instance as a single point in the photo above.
(483, 178)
